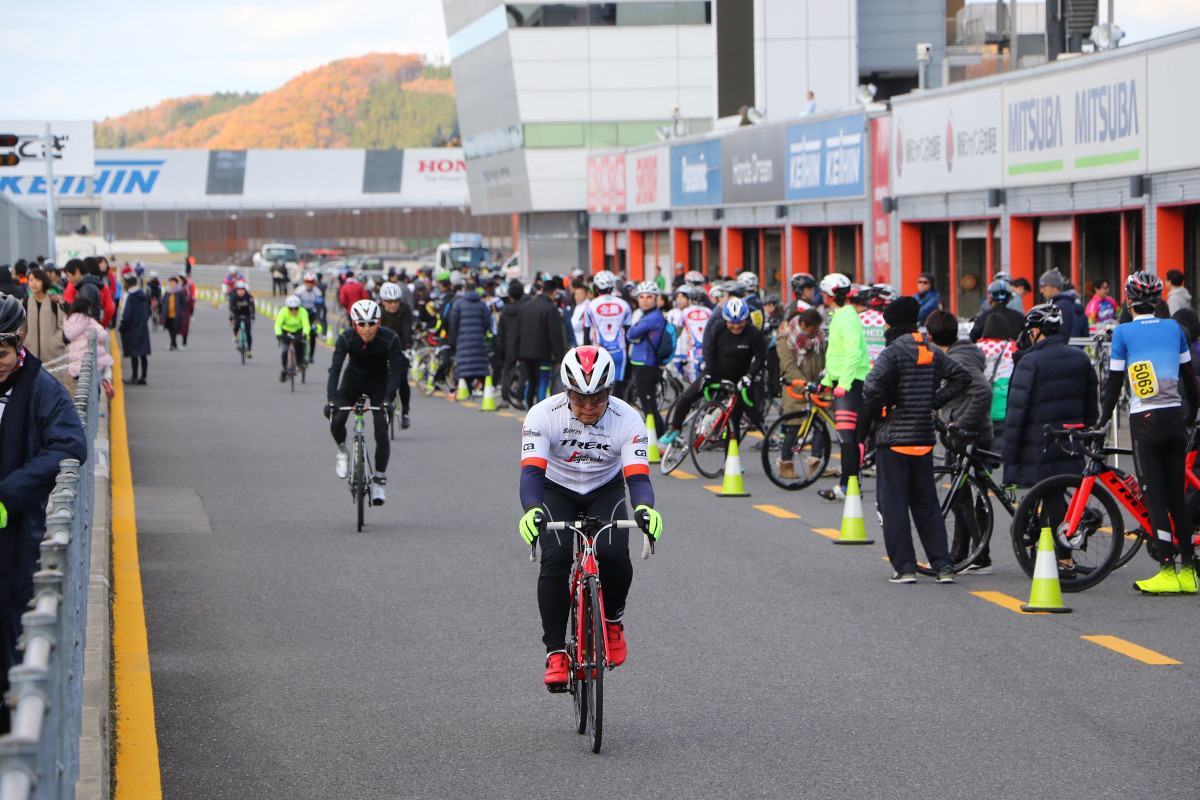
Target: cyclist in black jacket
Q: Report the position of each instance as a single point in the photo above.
(734, 350)
(241, 312)
(376, 369)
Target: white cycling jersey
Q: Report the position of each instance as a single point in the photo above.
(309, 297)
(695, 320)
(873, 328)
(608, 316)
(581, 457)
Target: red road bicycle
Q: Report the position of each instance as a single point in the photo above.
(1084, 511)
(587, 647)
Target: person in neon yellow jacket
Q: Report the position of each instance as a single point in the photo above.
(292, 325)
(846, 367)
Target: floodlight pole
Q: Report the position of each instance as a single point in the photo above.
(51, 223)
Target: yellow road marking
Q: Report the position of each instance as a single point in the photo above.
(776, 511)
(832, 533)
(506, 414)
(1135, 651)
(755, 434)
(683, 476)
(714, 488)
(1011, 603)
(136, 771)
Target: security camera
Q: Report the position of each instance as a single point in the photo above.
(924, 49)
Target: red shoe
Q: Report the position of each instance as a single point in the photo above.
(556, 670)
(615, 633)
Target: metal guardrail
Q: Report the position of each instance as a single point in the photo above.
(40, 757)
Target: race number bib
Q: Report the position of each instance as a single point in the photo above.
(1142, 379)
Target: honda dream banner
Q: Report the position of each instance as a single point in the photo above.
(825, 159)
(752, 165)
(696, 174)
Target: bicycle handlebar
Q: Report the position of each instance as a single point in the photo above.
(384, 407)
(647, 547)
(806, 392)
(728, 386)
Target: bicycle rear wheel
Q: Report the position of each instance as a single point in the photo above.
(360, 481)
(969, 519)
(1101, 527)
(594, 674)
(710, 440)
(808, 455)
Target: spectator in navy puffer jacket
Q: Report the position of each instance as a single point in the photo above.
(469, 324)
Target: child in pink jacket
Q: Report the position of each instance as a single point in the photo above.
(75, 331)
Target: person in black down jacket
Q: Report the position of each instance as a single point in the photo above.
(910, 380)
(469, 326)
(506, 338)
(541, 340)
(970, 412)
(1052, 384)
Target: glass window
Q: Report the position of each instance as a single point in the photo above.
(547, 15)
(564, 15)
(554, 134)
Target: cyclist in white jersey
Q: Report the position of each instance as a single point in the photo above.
(605, 322)
(871, 314)
(695, 320)
(580, 449)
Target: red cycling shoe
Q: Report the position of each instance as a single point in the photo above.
(556, 670)
(614, 632)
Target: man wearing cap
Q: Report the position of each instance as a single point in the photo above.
(928, 298)
(909, 382)
(1052, 285)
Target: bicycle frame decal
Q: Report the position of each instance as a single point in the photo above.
(1115, 483)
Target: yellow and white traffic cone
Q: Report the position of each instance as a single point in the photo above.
(1046, 594)
(329, 335)
(488, 403)
(463, 391)
(652, 454)
(732, 485)
(854, 530)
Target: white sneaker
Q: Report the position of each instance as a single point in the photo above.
(342, 467)
(377, 495)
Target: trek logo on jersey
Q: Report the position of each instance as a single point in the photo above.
(584, 445)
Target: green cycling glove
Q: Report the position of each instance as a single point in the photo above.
(3, 516)
(532, 524)
(649, 520)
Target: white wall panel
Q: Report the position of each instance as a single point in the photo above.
(785, 90)
(785, 19)
(631, 104)
(833, 75)
(826, 20)
(535, 76)
(620, 42)
(696, 41)
(560, 106)
(285, 174)
(650, 73)
(542, 44)
(696, 73)
(557, 178)
(697, 103)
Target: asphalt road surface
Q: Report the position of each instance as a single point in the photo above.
(293, 657)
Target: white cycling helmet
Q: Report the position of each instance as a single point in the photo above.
(646, 287)
(588, 369)
(748, 279)
(364, 311)
(604, 281)
(694, 278)
(310, 276)
(233, 270)
(240, 285)
(715, 292)
(833, 283)
(292, 302)
(389, 291)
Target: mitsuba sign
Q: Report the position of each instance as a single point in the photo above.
(752, 165)
(606, 183)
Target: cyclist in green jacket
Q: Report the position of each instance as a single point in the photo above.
(292, 326)
(846, 367)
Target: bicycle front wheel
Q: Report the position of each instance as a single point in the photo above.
(576, 684)
(805, 458)
(594, 674)
(360, 482)
(967, 510)
(1100, 535)
(710, 439)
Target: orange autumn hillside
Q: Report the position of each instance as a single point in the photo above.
(380, 100)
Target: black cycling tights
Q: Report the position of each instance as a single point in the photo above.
(645, 381)
(846, 417)
(347, 395)
(1159, 455)
(612, 555)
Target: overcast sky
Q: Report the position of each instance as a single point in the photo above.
(103, 58)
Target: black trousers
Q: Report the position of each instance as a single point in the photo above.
(905, 483)
(645, 381)
(533, 372)
(348, 394)
(301, 346)
(612, 556)
(1159, 457)
(134, 363)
